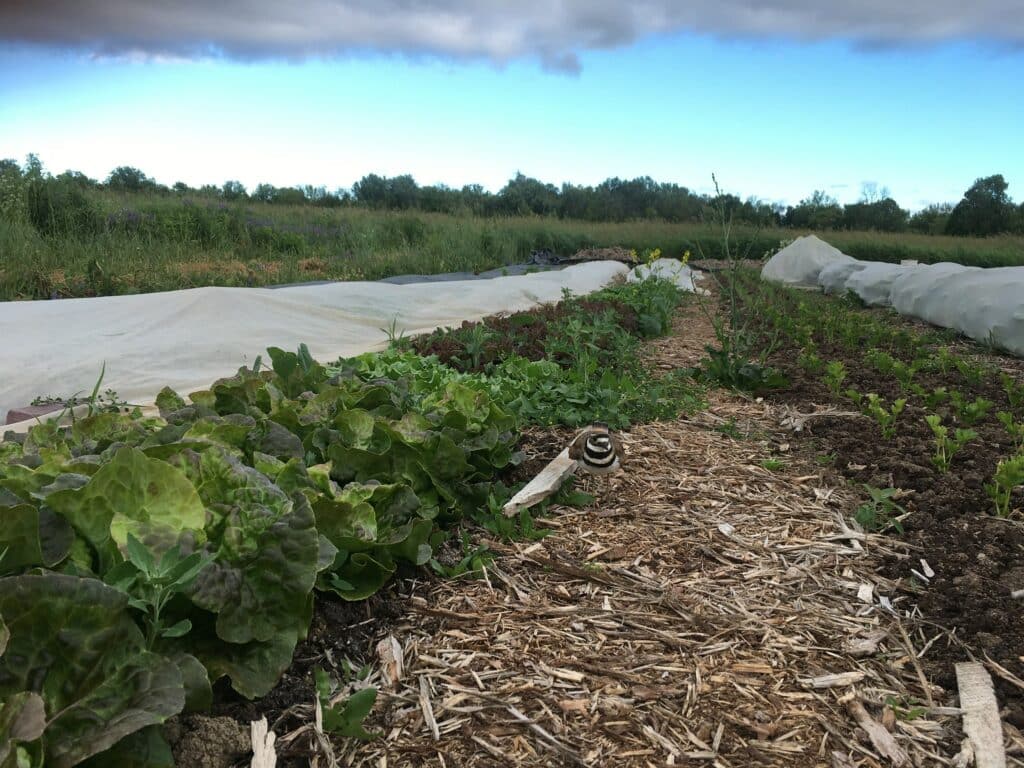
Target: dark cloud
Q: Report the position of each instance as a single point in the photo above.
(551, 31)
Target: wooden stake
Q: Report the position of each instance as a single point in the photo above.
(981, 715)
(543, 485)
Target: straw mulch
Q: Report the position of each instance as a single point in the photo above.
(704, 611)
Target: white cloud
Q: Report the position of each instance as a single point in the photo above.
(553, 32)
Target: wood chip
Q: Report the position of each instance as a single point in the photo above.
(881, 739)
(428, 708)
(389, 651)
(864, 646)
(837, 680)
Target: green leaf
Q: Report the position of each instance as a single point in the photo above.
(141, 557)
(363, 573)
(143, 749)
(73, 642)
(356, 428)
(22, 719)
(265, 547)
(254, 668)
(178, 629)
(132, 494)
(415, 547)
(31, 537)
(198, 692)
(347, 720)
(169, 401)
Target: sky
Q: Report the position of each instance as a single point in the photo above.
(777, 98)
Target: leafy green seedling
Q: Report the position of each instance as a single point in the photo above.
(773, 465)
(810, 361)
(970, 413)
(936, 397)
(905, 376)
(150, 584)
(905, 710)
(947, 447)
(1014, 390)
(855, 396)
(880, 512)
(835, 375)
(344, 719)
(883, 414)
(945, 359)
(472, 564)
(1015, 429)
(973, 374)
(1009, 474)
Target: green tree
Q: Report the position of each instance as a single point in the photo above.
(883, 215)
(525, 195)
(819, 211)
(233, 190)
(265, 193)
(127, 179)
(931, 220)
(371, 190)
(984, 210)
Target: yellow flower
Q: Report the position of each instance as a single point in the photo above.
(686, 257)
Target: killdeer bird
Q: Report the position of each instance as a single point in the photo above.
(597, 450)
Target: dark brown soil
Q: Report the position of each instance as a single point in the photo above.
(978, 558)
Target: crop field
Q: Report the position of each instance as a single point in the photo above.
(818, 515)
(135, 243)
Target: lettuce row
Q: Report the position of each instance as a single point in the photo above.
(284, 481)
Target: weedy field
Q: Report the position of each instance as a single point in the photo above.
(108, 243)
(820, 513)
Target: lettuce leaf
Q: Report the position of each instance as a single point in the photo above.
(74, 644)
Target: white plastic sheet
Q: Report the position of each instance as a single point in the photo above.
(188, 339)
(986, 305)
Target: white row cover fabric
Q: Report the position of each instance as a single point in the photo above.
(669, 269)
(986, 305)
(188, 339)
(800, 262)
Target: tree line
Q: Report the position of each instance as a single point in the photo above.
(985, 209)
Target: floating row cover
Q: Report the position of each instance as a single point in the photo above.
(985, 304)
(187, 339)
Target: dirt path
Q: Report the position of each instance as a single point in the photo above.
(705, 611)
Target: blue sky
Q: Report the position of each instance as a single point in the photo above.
(772, 116)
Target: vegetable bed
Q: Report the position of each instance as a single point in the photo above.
(932, 430)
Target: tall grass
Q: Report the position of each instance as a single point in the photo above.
(134, 244)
